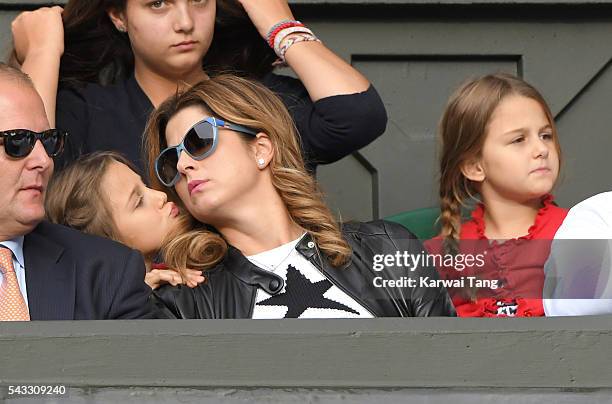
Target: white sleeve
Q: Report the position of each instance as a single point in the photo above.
(578, 265)
(577, 307)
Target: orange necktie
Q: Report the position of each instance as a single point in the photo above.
(12, 305)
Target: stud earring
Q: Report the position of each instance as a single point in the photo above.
(261, 162)
(121, 28)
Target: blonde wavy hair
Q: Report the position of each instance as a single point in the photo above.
(462, 133)
(75, 199)
(250, 104)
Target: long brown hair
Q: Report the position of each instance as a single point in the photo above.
(250, 104)
(237, 46)
(94, 51)
(75, 199)
(462, 132)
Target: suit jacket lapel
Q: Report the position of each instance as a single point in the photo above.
(50, 279)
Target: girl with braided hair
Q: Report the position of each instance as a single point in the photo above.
(500, 149)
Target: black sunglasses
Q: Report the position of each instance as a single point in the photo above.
(18, 143)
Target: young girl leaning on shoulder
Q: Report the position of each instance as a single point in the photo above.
(499, 148)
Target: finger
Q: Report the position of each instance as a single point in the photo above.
(170, 277)
(191, 273)
(195, 277)
(152, 280)
(166, 276)
(192, 283)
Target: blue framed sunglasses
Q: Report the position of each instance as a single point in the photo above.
(199, 142)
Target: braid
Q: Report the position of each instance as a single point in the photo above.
(450, 217)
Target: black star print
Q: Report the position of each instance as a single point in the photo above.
(301, 294)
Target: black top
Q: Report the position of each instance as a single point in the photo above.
(114, 117)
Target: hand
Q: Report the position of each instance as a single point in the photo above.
(157, 277)
(266, 13)
(38, 31)
(193, 277)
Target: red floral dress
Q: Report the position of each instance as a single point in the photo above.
(516, 264)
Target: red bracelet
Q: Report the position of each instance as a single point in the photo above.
(281, 27)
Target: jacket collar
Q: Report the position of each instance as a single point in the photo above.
(50, 278)
(307, 247)
(243, 269)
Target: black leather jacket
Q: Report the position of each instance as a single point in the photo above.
(231, 286)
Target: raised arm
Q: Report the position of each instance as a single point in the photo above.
(38, 38)
(323, 73)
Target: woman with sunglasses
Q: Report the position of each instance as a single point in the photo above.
(226, 150)
(115, 60)
(101, 194)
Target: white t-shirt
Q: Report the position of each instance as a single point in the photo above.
(307, 292)
(575, 266)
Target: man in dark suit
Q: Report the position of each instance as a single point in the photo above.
(47, 271)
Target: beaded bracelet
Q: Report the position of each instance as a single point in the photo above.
(295, 39)
(279, 27)
(282, 34)
(275, 26)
